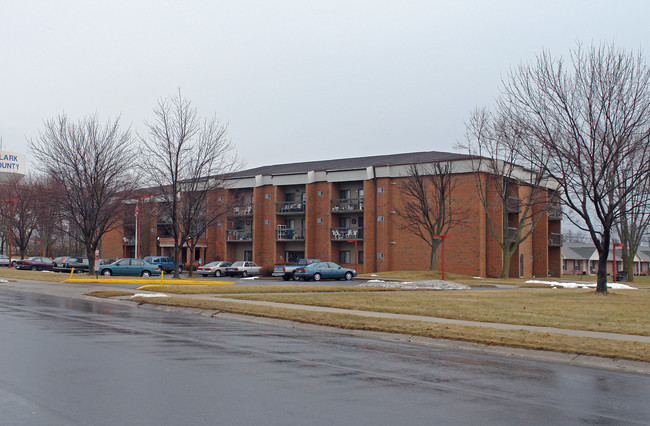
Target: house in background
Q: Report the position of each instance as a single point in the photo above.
(582, 259)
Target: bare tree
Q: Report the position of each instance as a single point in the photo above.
(89, 164)
(514, 198)
(592, 119)
(21, 193)
(633, 223)
(189, 159)
(427, 209)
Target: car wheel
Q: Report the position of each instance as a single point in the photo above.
(317, 276)
(217, 273)
(107, 272)
(244, 274)
(348, 276)
(34, 268)
(295, 277)
(145, 274)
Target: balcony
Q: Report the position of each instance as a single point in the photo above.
(289, 207)
(243, 210)
(511, 234)
(345, 234)
(554, 212)
(290, 234)
(347, 205)
(128, 240)
(239, 234)
(554, 240)
(512, 204)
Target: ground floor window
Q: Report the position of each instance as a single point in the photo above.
(360, 257)
(248, 255)
(293, 256)
(344, 257)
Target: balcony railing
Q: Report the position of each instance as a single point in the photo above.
(512, 204)
(511, 234)
(347, 233)
(243, 210)
(554, 240)
(554, 212)
(284, 234)
(346, 205)
(289, 207)
(239, 234)
(129, 240)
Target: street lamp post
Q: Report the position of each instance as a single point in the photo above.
(138, 224)
(11, 226)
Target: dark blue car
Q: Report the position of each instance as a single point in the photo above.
(325, 271)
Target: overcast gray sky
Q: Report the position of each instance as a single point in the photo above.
(295, 80)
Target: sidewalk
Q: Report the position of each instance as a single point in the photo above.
(372, 314)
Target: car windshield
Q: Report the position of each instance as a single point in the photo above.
(212, 264)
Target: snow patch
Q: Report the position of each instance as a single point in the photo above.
(555, 284)
(149, 295)
(418, 285)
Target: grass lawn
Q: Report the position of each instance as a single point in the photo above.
(623, 311)
(481, 335)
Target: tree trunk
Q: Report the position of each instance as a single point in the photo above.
(601, 283)
(505, 270)
(628, 266)
(176, 272)
(434, 250)
(191, 260)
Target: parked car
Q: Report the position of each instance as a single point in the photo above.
(4, 260)
(129, 266)
(287, 270)
(35, 263)
(325, 271)
(80, 264)
(165, 263)
(59, 260)
(243, 268)
(217, 268)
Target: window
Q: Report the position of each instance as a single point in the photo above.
(248, 255)
(344, 222)
(360, 257)
(344, 194)
(293, 256)
(344, 257)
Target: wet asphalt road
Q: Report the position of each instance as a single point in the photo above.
(69, 361)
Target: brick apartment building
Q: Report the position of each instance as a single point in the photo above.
(345, 211)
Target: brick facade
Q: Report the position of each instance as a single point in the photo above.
(326, 212)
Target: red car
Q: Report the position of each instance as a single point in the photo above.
(36, 263)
